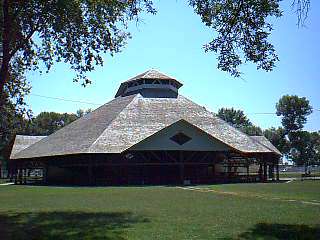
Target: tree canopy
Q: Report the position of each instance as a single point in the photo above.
(14, 111)
(46, 123)
(302, 147)
(305, 148)
(277, 136)
(294, 111)
(242, 29)
(238, 119)
(74, 31)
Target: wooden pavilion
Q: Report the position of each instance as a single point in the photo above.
(148, 134)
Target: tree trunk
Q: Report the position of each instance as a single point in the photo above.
(4, 72)
(305, 169)
(4, 75)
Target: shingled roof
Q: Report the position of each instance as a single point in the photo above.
(265, 142)
(22, 142)
(125, 121)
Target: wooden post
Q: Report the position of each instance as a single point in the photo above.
(270, 171)
(20, 176)
(277, 170)
(13, 170)
(45, 173)
(24, 176)
(15, 176)
(90, 181)
(214, 172)
(260, 172)
(181, 167)
(265, 173)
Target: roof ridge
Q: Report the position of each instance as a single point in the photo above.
(116, 116)
(21, 135)
(145, 74)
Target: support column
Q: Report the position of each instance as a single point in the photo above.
(45, 174)
(16, 174)
(13, 170)
(90, 180)
(260, 172)
(270, 171)
(265, 173)
(20, 176)
(214, 172)
(277, 170)
(24, 176)
(181, 167)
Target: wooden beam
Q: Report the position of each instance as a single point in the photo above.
(248, 170)
(191, 156)
(155, 156)
(45, 173)
(260, 172)
(90, 175)
(205, 156)
(265, 173)
(181, 167)
(172, 158)
(277, 170)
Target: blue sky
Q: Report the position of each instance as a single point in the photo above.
(171, 41)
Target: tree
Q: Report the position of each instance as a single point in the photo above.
(277, 136)
(242, 30)
(305, 148)
(46, 123)
(252, 130)
(80, 113)
(316, 140)
(238, 119)
(294, 111)
(74, 31)
(14, 113)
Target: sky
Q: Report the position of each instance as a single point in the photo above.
(172, 42)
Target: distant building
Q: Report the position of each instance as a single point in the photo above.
(148, 134)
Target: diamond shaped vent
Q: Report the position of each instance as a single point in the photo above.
(180, 138)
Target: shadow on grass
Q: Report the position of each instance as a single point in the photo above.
(67, 225)
(266, 231)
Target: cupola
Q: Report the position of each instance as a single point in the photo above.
(150, 84)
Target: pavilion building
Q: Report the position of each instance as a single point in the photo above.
(148, 134)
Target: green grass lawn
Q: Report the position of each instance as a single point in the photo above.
(296, 174)
(119, 213)
(307, 190)
(4, 180)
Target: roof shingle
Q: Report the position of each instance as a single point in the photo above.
(265, 142)
(125, 121)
